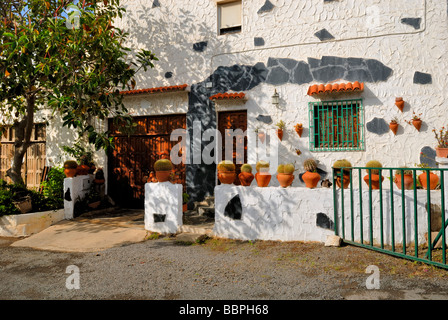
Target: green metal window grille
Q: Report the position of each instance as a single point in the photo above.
(336, 125)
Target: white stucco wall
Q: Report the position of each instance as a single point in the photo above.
(370, 30)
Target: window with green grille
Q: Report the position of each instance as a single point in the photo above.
(336, 125)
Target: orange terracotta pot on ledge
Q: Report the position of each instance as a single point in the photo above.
(311, 179)
(246, 178)
(433, 180)
(70, 172)
(226, 177)
(285, 179)
(375, 181)
(262, 179)
(163, 176)
(442, 152)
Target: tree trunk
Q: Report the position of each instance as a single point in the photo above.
(22, 141)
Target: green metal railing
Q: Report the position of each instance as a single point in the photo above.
(371, 214)
(336, 125)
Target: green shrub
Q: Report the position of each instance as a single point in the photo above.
(7, 206)
(53, 188)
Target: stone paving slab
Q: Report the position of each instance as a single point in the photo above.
(78, 236)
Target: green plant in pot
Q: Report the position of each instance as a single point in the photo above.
(285, 174)
(226, 172)
(342, 166)
(280, 127)
(163, 169)
(70, 167)
(263, 177)
(373, 179)
(310, 177)
(246, 176)
(404, 178)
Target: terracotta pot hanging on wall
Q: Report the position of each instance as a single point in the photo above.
(399, 103)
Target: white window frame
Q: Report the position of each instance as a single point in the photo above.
(231, 30)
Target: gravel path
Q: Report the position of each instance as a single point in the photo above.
(164, 269)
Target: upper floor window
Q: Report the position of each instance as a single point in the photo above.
(229, 17)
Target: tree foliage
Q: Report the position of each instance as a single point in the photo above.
(66, 56)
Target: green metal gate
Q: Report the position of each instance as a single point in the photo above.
(393, 217)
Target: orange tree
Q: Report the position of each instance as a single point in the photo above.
(65, 56)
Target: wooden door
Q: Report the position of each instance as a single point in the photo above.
(132, 160)
(34, 159)
(233, 120)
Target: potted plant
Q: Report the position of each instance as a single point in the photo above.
(263, 177)
(99, 177)
(70, 167)
(373, 179)
(416, 121)
(246, 176)
(280, 125)
(299, 129)
(404, 177)
(423, 178)
(285, 174)
(83, 167)
(163, 169)
(185, 199)
(310, 177)
(344, 166)
(261, 135)
(93, 198)
(399, 103)
(393, 125)
(226, 172)
(442, 142)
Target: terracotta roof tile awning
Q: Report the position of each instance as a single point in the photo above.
(335, 87)
(228, 96)
(156, 90)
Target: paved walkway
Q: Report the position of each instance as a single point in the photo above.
(89, 233)
(100, 230)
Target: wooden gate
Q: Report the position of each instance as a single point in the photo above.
(233, 120)
(132, 160)
(34, 160)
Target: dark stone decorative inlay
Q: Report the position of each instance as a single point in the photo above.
(156, 4)
(268, 6)
(413, 22)
(200, 46)
(422, 78)
(323, 221)
(377, 126)
(264, 119)
(258, 42)
(67, 195)
(159, 217)
(428, 156)
(234, 208)
(168, 75)
(324, 35)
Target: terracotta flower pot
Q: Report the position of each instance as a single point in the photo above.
(70, 172)
(246, 178)
(442, 152)
(433, 180)
(311, 179)
(417, 124)
(82, 170)
(393, 127)
(184, 207)
(262, 179)
(345, 181)
(262, 136)
(408, 181)
(375, 182)
(285, 179)
(163, 176)
(226, 177)
(399, 103)
(280, 134)
(299, 131)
